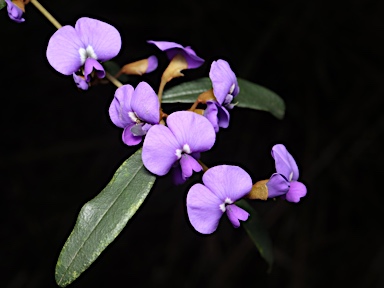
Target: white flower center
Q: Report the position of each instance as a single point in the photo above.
(186, 149)
(223, 205)
(232, 88)
(134, 117)
(87, 53)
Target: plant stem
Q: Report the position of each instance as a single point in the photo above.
(55, 23)
(46, 14)
(114, 81)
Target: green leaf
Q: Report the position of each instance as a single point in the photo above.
(257, 232)
(101, 220)
(2, 4)
(113, 68)
(251, 95)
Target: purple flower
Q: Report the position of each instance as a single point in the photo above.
(179, 143)
(225, 88)
(80, 49)
(223, 186)
(15, 12)
(135, 110)
(284, 182)
(172, 49)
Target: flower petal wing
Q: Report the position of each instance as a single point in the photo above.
(235, 213)
(211, 114)
(296, 191)
(192, 129)
(104, 39)
(145, 103)
(227, 181)
(284, 162)
(63, 50)
(188, 165)
(159, 150)
(120, 106)
(277, 185)
(129, 138)
(203, 208)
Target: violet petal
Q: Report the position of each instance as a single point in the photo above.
(172, 49)
(177, 177)
(203, 208)
(223, 79)
(235, 213)
(14, 12)
(128, 137)
(188, 165)
(159, 150)
(146, 103)
(223, 117)
(296, 191)
(210, 113)
(80, 82)
(277, 185)
(152, 64)
(90, 65)
(227, 181)
(192, 129)
(121, 106)
(104, 39)
(63, 50)
(284, 162)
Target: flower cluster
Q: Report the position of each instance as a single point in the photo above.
(173, 143)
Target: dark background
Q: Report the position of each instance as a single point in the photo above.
(59, 147)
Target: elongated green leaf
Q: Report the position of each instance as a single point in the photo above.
(2, 4)
(257, 232)
(102, 219)
(251, 95)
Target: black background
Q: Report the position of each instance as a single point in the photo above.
(59, 147)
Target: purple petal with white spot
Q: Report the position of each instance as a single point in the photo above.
(90, 65)
(159, 150)
(152, 64)
(192, 129)
(223, 79)
(104, 39)
(145, 103)
(235, 214)
(172, 49)
(80, 82)
(284, 162)
(121, 105)
(227, 181)
(63, 50)
(14, 12)
(203, 208)
(128, 137)
(277, 185)
(188, 165)
(296, 191)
